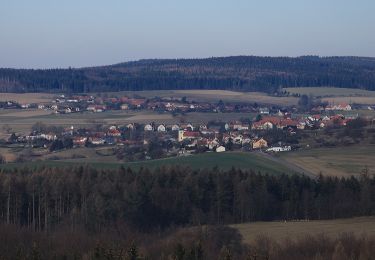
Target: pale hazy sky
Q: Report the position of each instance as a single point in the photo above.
(62, 33)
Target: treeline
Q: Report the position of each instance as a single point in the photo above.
(246, 73)
(91, 199)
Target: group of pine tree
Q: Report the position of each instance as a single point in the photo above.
(171, 213)
(246, 73)
(146, 200)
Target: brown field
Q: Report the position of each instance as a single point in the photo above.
(295, 230)
(149, 117)
(338, 95)
(90, 154)
(341, 161)
(26, 113)
(81, 155)
(22, 120)
(332, 92)
(27, 98)
(350, 100)
(213, 96)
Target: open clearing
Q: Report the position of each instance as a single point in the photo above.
(223, 161)
(340, 161)
(338, 95)
(213, 96)
(351, 100)
(27, 98)
(25, 113)
(22, 120)
(280, 231)
(331, 92)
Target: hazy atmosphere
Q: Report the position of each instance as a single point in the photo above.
(45, 34)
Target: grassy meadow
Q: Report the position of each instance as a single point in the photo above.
(223, 161)
(337, 95)
(22, 120)
(342, 161)
(280, 230)
(213, 96)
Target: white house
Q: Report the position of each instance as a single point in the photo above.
(264, 111)
(97, 141)
(220, 149)
(161, 128)
(175, 128)
(279, 149)
(148, 127)
(124, 107)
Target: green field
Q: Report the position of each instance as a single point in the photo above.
(223, 161)
(281, 230)
(339, 161)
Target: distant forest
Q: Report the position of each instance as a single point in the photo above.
(245, 73)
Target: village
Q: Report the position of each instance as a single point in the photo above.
(270, 129)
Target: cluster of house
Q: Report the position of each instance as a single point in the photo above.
(166, 105)
(214, 137)
(290, 122)
(186, 136)
(79, 103)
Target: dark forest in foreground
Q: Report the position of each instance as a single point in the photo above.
(245, 73)
(201, 243)
(172, 213)
(93, 199)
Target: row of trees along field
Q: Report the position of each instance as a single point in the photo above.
(247, 73)
(83, 197)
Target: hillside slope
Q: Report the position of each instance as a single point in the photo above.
(246, 73)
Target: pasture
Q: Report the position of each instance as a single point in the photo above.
(331, 92)
(213, 96)
(224, 161)
(27, 98)
(337, 95)
(280, 230)
(22, 120)
(369, 100)
(342, 161)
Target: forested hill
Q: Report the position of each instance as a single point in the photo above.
(246, 73)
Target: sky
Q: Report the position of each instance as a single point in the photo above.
(80, 33)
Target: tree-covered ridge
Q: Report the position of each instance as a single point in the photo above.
(246, 73)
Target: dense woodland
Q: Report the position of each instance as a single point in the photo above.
(246, 73)
(85, 197)
(69, 213)
(201, 243)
